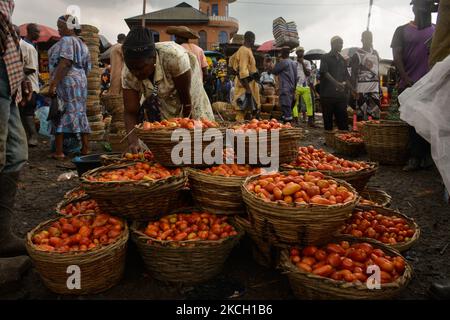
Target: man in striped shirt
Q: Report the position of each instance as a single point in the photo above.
(13, 147)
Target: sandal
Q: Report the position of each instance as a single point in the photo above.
(56, 157)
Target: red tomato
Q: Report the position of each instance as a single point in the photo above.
(310, 251)
(320, 255)
(335, 248)
(323, 271)
(334, 260)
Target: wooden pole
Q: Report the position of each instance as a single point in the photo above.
(143, 13)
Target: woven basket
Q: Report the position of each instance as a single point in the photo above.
(116, 145)
(277, 113)
(135, 200)
(267, 107)
(217, 194)
(294, 224)
(330, 137)
(402, 246)
(265, 116)
(159, 141)
(358, 179)
(348, 148)
(263, 252)
(100, 268)
(307, 285)
(376, 195)
(86, 28)
(226, 111)
(288, 144)
(387, 141)
(186, 265)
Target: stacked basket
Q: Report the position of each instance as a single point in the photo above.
(117, 132)
(94, 111)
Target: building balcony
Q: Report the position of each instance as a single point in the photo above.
(222, 21)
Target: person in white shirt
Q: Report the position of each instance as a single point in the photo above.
(31, 69)
(303, 91)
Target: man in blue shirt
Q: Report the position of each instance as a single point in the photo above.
(286, 70)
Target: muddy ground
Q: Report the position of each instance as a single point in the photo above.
(418, 194)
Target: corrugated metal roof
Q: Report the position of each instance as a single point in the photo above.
(181, 12)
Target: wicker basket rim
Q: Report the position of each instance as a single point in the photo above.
(200, 174)
(143, 237)
(279, 203)
(373, 167)
(166, 130)
(147, 183)
(288, 267)
(90, 253)
(387, 123)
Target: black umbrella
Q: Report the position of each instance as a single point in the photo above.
(314, 54)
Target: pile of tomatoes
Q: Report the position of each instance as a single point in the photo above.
(261, 125)
(81, 207)
(142, 156)
(137, 172)
(79, 233)
(233, 170)
(185, 123)
(386, 229)
(195, 226)
(352, 137)
(318, 159)
(345, 262)
(310, 188)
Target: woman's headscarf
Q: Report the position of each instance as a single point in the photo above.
(139, 43)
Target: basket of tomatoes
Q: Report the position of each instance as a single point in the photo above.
(126, 157)
(135, 190)
(291, 207)
(158, 137)
(385, 225)
(374, 197)
(346, 270)
(260, 136)
(188, 247)
(357, 173)
(349, 143)
(218, 189)
(96, 244)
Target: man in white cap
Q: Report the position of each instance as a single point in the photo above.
(334, 82)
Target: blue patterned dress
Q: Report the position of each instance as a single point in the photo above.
(72, 90)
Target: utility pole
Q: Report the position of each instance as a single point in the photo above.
(370, 14)
(143, 13)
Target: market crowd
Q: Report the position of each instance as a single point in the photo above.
(168, 79)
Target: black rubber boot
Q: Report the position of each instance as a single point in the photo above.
(10, 245)
(30, 127)
(440, 291)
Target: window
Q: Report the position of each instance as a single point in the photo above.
(155, 35)
(223, 37)
(215, 9)
(203, 41)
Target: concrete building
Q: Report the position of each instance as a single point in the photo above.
(211, 21)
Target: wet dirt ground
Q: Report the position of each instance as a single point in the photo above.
(418, 195)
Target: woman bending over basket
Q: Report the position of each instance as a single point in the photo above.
(167, 75)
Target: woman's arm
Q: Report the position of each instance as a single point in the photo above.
(183, 86)
(131, 101)
(61, 71)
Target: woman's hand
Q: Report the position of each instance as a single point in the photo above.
(134, 146)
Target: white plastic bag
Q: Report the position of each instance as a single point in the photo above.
(426, 107)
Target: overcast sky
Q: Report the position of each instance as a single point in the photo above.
(317, 20)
